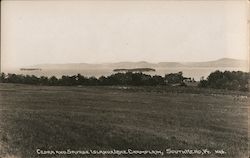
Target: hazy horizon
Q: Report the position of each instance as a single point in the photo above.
(56, 32)
(123, 62)
(136, 61)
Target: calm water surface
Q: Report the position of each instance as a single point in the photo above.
(195, 73)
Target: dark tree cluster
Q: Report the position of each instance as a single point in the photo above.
(235, 80)
(128, 79)
(174, 78)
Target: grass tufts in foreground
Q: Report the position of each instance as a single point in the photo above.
(106, 118)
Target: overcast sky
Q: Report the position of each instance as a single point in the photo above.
(36, 32)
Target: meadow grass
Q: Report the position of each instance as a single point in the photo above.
(106, 118)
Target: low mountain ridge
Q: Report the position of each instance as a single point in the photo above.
(223, 62)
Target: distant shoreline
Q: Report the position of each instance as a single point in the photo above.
(30, 69)
(134, 70)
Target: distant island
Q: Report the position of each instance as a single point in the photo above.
(134, 70)
(30, 69)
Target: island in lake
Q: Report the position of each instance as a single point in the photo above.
(30, 69)
(134, 70)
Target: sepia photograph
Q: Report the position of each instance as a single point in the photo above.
(125, 78)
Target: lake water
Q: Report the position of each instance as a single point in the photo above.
(195, 72)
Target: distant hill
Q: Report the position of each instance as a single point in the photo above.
(224, 62)
(170, 64)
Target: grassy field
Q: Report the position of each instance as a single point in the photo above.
(107, 118)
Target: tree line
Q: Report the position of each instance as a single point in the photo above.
(231, 80)
(127, 79)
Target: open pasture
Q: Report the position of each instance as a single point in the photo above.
(107, 118)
